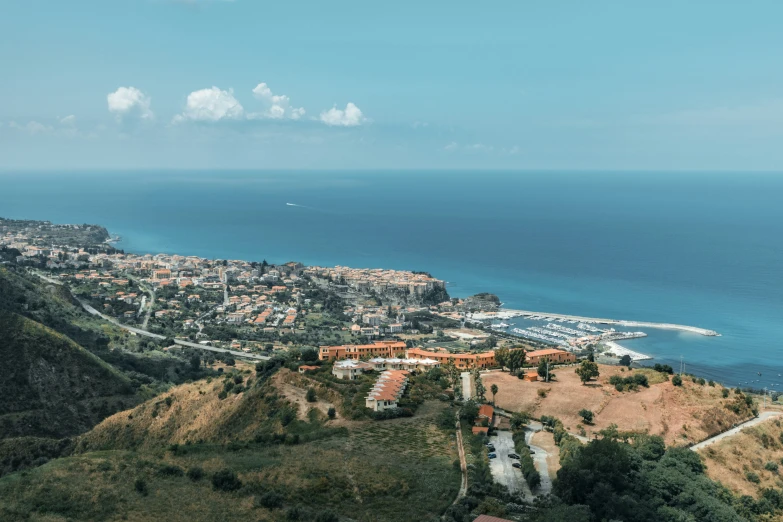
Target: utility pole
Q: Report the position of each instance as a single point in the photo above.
(547, 370)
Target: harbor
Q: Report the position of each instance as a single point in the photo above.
(575, 319)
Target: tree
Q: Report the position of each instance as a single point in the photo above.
(591, 354)
(677, 380)
(586, 371)
(195, 363)
(331, 413)
(519, 420)
(625, 360)
(226, 480)
(452, 372)
(516, 358)
(311, 396)
(494, 390)
(481, 390)
(501, 357)
(543, 369)
(586, 415)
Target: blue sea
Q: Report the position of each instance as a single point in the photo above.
(702, 249)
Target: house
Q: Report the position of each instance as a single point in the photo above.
(235, 318)
(395, 328)
(486, 412)
(531, 376)
(356, 329)
(350, 369)
(480, 430)
(387, 390)
(554, 355)
(306, 368)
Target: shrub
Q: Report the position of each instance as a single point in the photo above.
(226, 480)
(141, 487)
(332, 413)
(677, 380)
(271, 500)
(711, 382)
(311, 396)
(195, 474)
(752, 477)
(586, 415)
(327, 516)
(771, 466)
(542, 393)
(701, 381)
(222, 395)
(171, 471)
(725, 392)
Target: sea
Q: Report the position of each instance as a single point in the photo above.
(695, 248)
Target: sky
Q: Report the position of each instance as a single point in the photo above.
(248, 84)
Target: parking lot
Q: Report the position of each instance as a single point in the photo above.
(502, 470)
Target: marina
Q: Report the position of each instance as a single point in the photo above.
(586, 321)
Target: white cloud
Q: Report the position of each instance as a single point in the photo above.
(451, 146)
(211, 105)
(129, 101)
(33, 127)
(68, 120)
(349, 117)
(277, 105)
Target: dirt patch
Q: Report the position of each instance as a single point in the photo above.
(294, 388)
(546, 441)
(681, 415)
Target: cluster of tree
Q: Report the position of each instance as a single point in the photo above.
(511, 359)
(587, 371)
(631, 382)
(645, 481)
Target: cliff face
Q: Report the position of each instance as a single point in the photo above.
(51, 386)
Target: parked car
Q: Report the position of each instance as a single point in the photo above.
(490, 447)
(516, 465)
(513, 456)
(492, 455)
(532, 452)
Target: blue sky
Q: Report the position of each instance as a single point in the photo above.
(437, 84)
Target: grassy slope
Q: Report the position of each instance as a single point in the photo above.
(729, 460)
(391, 470)
(53, 387)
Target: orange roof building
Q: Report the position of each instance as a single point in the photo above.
(554, 355)
(462, 361)
(351, 351)
(387, 390)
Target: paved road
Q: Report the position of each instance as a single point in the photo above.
(539, 457)
(501, 468)
(138, 331)
(752, 422)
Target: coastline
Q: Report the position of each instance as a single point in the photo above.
(620, 350)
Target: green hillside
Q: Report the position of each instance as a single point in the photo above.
(51, 386)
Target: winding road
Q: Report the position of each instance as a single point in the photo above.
(138, 331)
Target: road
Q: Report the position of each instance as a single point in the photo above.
(501, 468)
(733, 431)
(138, 331)
(539, 457)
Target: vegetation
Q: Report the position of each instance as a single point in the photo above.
(587, 371)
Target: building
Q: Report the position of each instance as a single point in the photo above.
(395, 328)
(480, 430)
(463, 361)
(486, 412)
(387, 390)
(165, 273)
(531, 376)
(350, 351)
(372, 319)
(350, 369)
(554, 355)
(305, 368)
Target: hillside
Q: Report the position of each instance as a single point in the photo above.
(169, 458)
(749, 462)
(51, 386)
(680, 414)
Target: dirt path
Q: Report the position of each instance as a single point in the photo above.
(463, 464)
(733, 431)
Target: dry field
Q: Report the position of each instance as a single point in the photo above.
(730, 460)
(681, 415)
